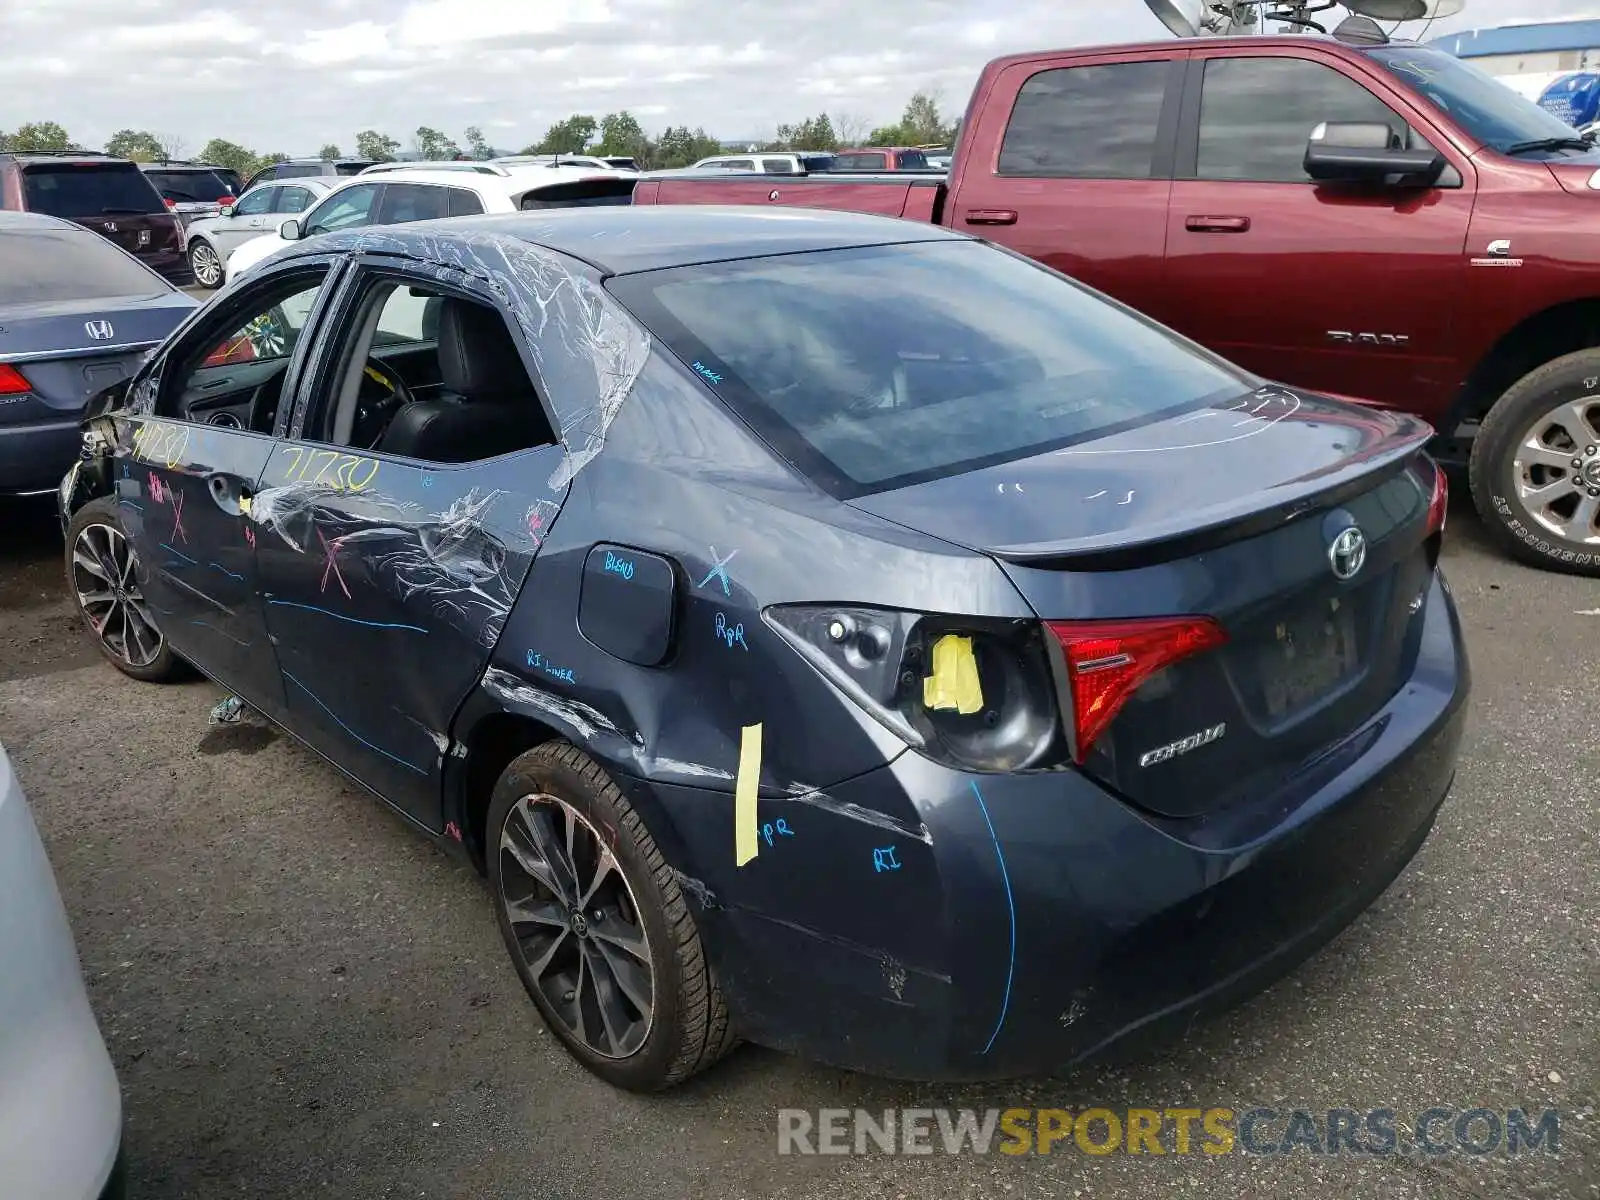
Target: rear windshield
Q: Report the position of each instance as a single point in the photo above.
(874, 368)
(186, 187)
(48, 266)
(89, 190)
(351, 168)
(859, 162)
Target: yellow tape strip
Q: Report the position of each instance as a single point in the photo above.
(746, 840)
(954, 682)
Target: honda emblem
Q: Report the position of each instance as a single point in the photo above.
(100, 331)
(110, 227)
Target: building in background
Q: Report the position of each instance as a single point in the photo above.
(1532, 56)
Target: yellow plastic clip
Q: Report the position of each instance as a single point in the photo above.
(954, 682)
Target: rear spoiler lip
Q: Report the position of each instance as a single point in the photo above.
(1182, 536)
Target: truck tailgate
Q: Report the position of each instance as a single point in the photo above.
(913, 198)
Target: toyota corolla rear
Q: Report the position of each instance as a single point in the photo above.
(1225, 725)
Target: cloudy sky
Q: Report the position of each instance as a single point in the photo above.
(290, 75)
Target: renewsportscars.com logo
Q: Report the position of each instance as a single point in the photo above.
(1100, 1131)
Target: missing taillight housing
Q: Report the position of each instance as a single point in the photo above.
(1107, 661)
(12, 382)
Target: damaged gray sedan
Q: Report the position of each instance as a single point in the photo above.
(820, 629)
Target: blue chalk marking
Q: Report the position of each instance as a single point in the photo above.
(619, 566)
(538, 663)
(352, 732)
(719, 571)
(427, 479)
(1011, 906)
(779, 827)
(225, 571)
(193, 562)
(328, 612)
(733, 635)
(884, 860)
(706, 372)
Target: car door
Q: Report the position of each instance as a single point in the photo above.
(388, 565)
(1345, 289)
(1083, 171)
(189, 469)
(250, 218)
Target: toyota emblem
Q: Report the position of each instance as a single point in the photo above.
(1347, 553)
(100, 331)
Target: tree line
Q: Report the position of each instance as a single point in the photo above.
(617, 134)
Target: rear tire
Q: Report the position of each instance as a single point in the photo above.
(207, 264)
(1535, 467)
(621, 978)
(103, 578)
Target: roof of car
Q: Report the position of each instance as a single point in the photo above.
(620, 239)
(73, 156)
(22, 222)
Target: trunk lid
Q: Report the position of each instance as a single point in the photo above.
(1229, 512)
(63, 352)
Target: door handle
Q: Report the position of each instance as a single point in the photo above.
(230, 498)
(1217, 224)
(991, 216)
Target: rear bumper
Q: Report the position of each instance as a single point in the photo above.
(1015, 924)
(33, 457)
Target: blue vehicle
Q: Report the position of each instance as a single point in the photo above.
(822, 630)
(77, 314)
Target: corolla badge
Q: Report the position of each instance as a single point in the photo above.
(1347, 553)
(100, 331)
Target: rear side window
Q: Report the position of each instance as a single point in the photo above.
(1087, 122)
(297, 170)
(186, 187)
(407, 202)
(91, 190)
(349, 168)
(873, 368)
(54, 265)
(913, 160)
(464, 203)
(859, 162)
(1257, 114)
(294, 199)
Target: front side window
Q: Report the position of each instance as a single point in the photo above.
(870, 368)
(255, 203)
(50, 266)
(1096, 122)
(1257, 114)
(345, 209)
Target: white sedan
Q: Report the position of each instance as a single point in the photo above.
(401, 196)
(258, 212)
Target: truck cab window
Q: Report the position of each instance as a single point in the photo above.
(1087, 122)
(1256, 115)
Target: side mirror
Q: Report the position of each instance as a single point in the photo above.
(1364, 152)
(226, 211)
(289, 231)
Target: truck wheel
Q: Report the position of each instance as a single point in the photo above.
(1535, 468)
(597, 926)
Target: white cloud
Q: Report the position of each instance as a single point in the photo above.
(298, 73)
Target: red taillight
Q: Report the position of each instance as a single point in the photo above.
(11, 381)
(227, 200)
(1108, 660)
(172, 205)
(1439, 501)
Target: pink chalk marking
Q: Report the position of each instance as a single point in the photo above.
(332, 568)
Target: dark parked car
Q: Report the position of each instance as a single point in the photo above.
(828, 631)
(108, 195)
(193, 192)
(76, 315)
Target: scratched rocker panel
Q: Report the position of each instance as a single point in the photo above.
(830, 633)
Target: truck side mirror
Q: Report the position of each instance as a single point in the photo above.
(1364, 152)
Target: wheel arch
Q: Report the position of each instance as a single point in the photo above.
(1546, 335)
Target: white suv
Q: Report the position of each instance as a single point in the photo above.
(401, 196)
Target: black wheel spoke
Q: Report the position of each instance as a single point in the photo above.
(536, 912)
(631, 975)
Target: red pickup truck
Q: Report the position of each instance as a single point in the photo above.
(1378, 221)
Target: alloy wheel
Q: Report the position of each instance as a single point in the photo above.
(1556, 469)
(577, 925)
(207, 265)
(110, 597)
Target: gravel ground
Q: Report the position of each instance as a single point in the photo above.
(303, 998)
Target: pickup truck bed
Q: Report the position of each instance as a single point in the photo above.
(900, 194)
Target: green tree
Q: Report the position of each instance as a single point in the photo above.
(221, 153)
(37, 135)
(329, 152)
(478, 145)
(266, 160)
(566, 137)
(679, 147)
(379, 147)
(888, 135)
(138, 144)
(432, 144)
(621, 134)
(921, 122)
